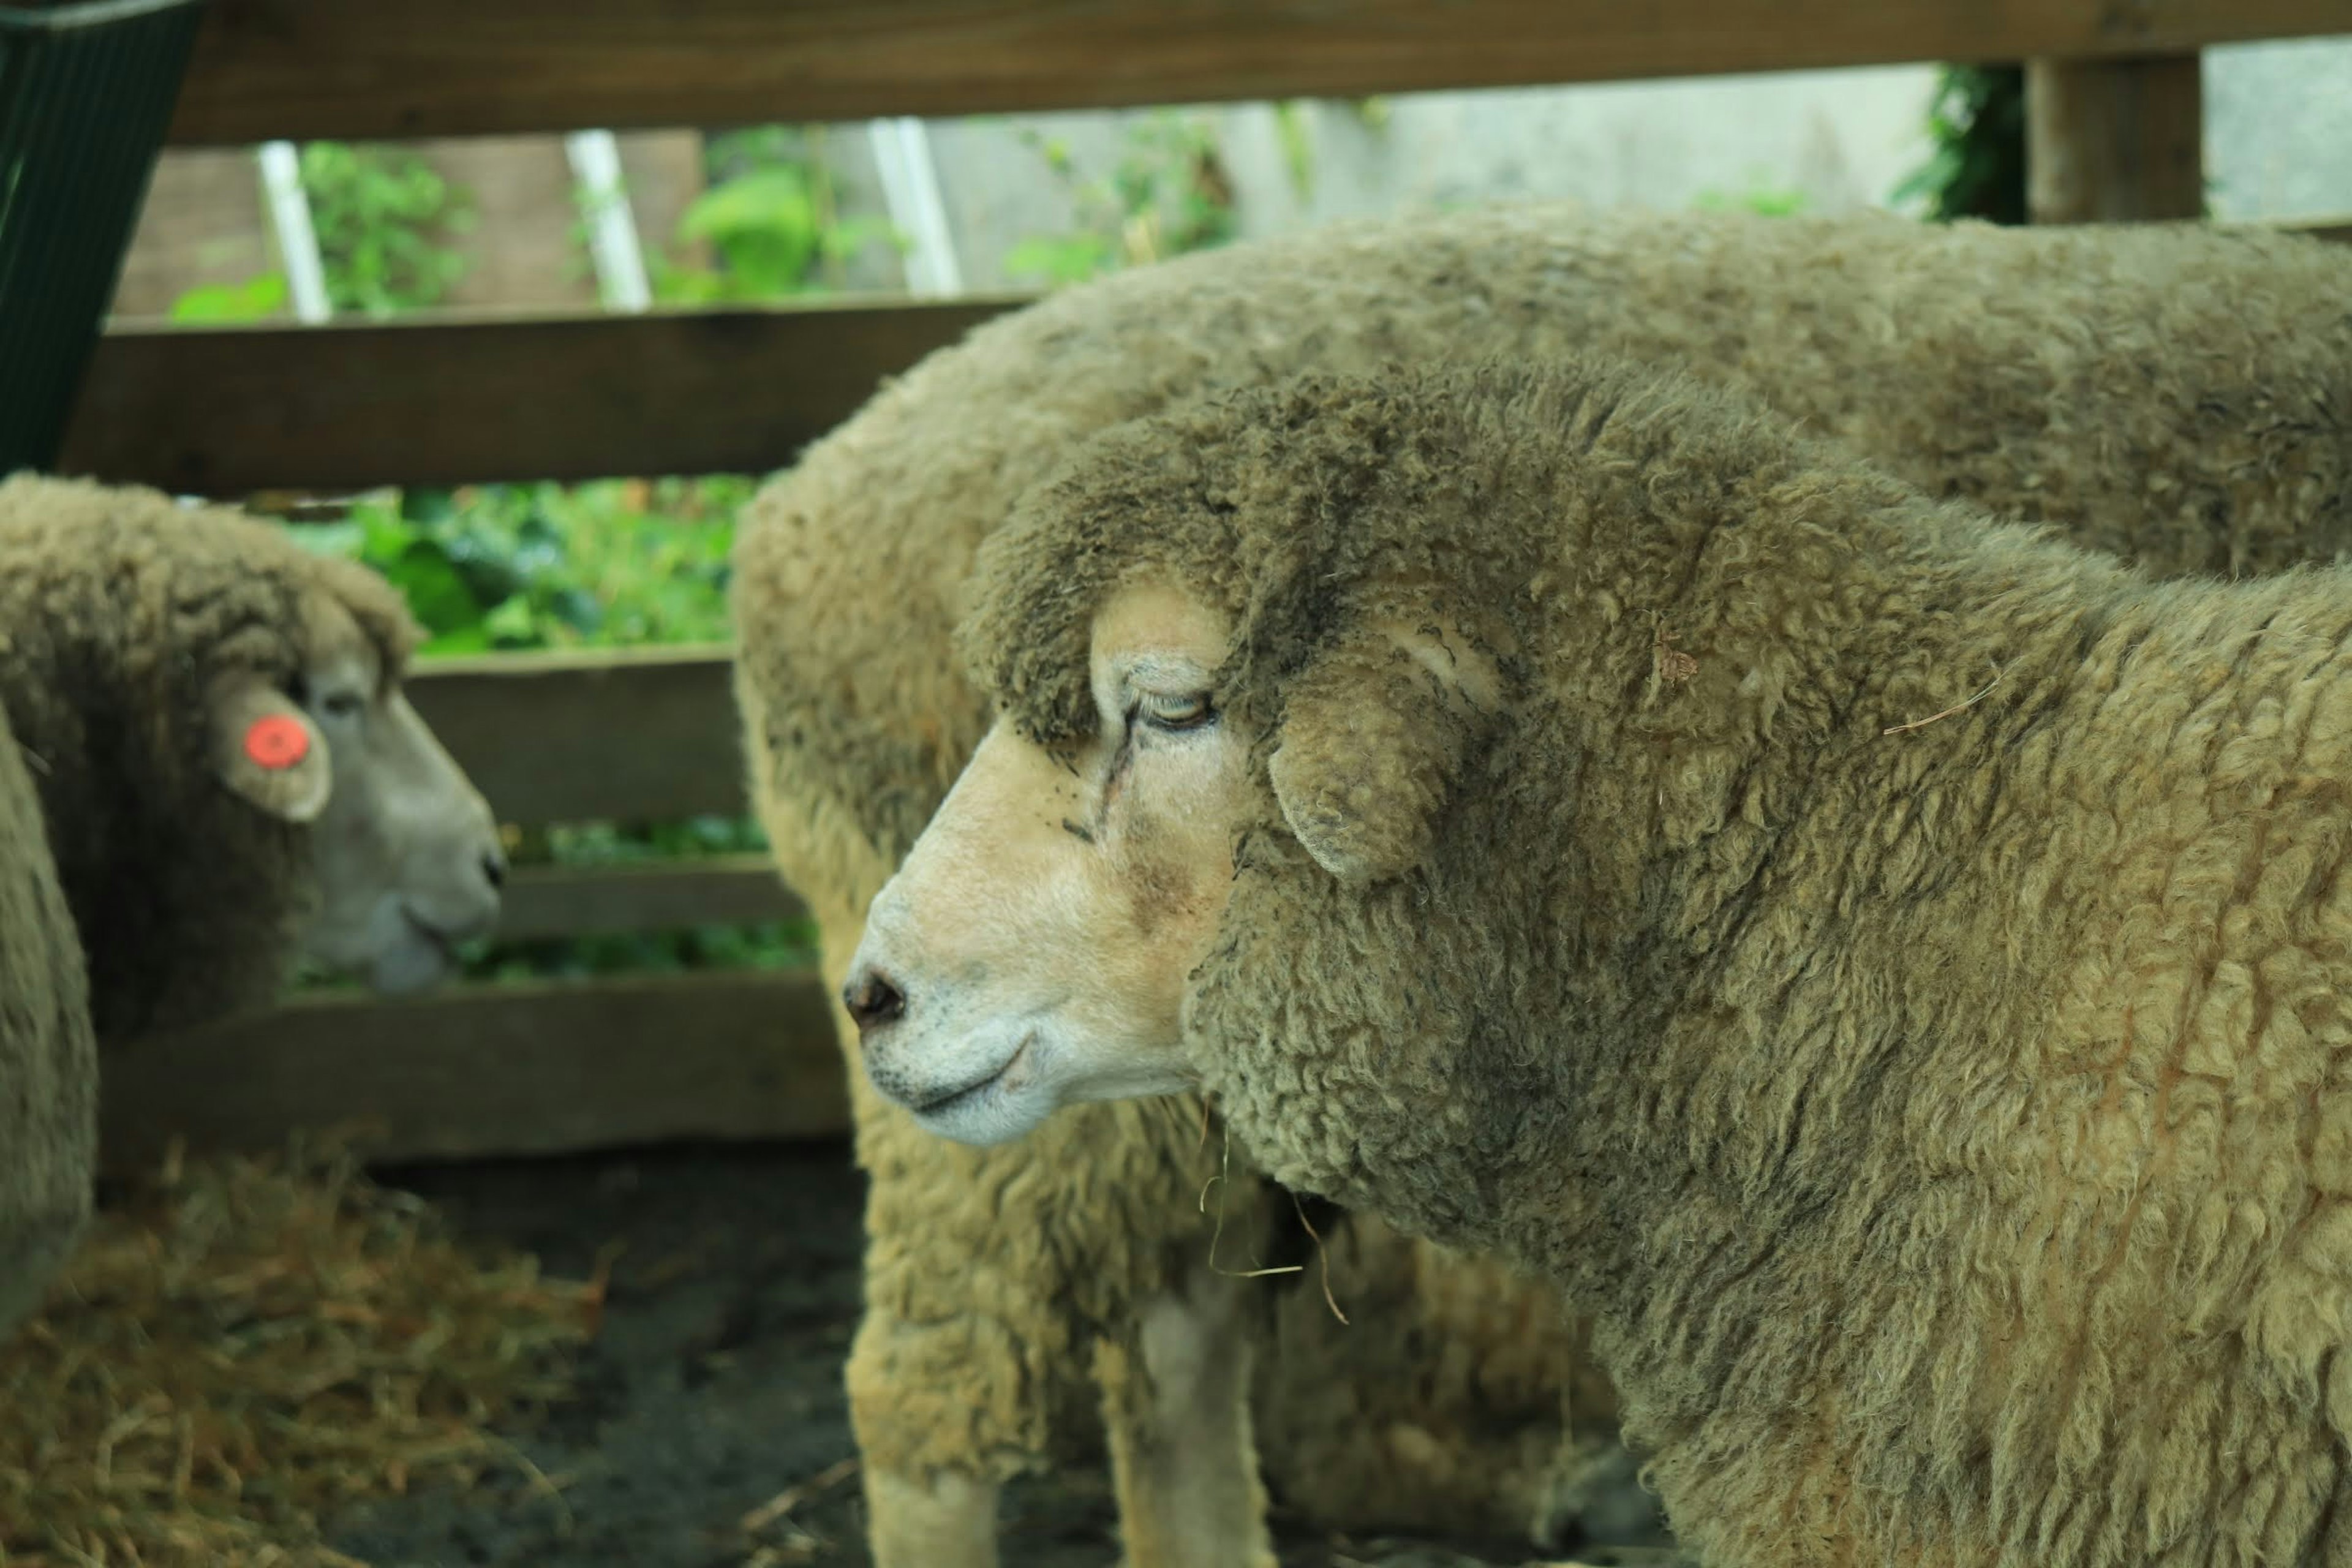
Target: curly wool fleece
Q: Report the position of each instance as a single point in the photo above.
(1944, 1124)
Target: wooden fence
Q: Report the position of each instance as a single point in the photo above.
(2114, 127)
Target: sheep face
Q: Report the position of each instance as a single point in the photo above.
(404, 850)
(1034, 949)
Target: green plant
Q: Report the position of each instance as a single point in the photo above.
(772, 216)
(257, 298)
(1169, 193)
(1772, 201)
(1976, 169)
(382, 215)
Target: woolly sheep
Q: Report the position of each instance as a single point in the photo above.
(48, 1117)
(1910, 1018)
(228, 776)
(2174, 395)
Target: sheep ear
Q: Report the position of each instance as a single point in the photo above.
(1372, 742)
(267, 749)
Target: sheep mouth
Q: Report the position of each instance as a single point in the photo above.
(949, 1100)
(440, 942)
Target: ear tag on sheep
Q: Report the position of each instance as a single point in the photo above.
(277, 742)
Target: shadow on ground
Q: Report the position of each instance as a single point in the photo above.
(712, 1395)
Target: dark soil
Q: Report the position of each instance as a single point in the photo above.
(714, 1386)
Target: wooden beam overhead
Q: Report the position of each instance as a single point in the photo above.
(383, 68)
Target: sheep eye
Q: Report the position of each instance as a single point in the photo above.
(342, 705)
(1177, 713)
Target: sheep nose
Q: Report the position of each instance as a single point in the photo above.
(872, 1000)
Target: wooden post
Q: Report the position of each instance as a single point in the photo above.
(2114, 141)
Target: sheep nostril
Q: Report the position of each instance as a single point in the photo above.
(872, 1000)
(493, 869)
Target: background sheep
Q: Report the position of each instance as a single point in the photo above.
(48, 1113)
(2179, 397)
(1937, 1103)
(227, 775)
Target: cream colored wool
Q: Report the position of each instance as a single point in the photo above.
(2180, 397)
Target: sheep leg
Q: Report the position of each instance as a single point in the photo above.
(949, 1521)
(1182, 1460)
(940, 1406)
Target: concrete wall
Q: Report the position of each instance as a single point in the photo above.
(2278, 128)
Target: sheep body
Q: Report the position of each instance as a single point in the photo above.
(1940, 1107)
(48, 1057)
(2171, 396)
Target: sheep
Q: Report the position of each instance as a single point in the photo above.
(2147, 390)
(1909, 1017)
(228, 778)
(48, 1117)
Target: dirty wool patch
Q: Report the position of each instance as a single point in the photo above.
(243, 1345)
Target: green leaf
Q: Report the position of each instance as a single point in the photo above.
(1072, 258)
(437, 592)
(253, 299)
(514, 624)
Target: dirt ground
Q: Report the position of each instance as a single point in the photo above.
(713, 1393)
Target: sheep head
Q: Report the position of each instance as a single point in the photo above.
(230, 772)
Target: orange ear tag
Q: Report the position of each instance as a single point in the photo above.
(276, 741)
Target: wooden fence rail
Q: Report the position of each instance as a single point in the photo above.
(304, 69)
(454, 397)
(450, 397)
(493, 1070)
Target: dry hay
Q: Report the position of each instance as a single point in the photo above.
(244, 1345)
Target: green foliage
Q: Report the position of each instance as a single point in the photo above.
(1977, 122)
(1168, 194)
(381, 215)
(1772, 201)
(770, 216)
(613, 562)
(257, 298)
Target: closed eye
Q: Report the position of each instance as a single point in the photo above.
(1176, 714)
(342, 704)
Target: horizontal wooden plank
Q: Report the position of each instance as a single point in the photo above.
(575, 900)
(454, 397)
(494, 1070)
(459, 397)
(628, 734)
(298, 69)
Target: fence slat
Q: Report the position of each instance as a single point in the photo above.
(2114, 141)
(494, 1070)
(469, 397)
(359, 68)
(452, 399)
(628, 734)
(567, 900)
